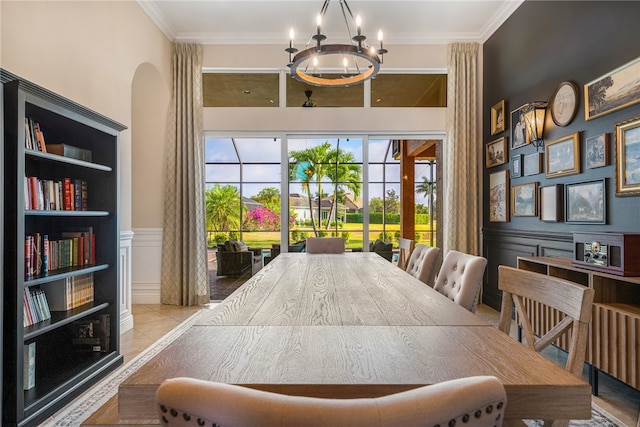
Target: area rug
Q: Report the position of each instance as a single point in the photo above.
(76, 412)
(221, 287)
(599, 418)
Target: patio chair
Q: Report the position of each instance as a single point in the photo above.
(234, 258)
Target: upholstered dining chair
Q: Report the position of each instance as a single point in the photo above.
(422, 263)
(460, 278)
(573, 303)
(472, 402)
(325, 245)
(405, 247)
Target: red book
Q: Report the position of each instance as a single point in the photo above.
(68, 194)
(33, 192)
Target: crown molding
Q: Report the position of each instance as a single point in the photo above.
(156, 16)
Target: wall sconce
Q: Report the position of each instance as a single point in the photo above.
(534, 113)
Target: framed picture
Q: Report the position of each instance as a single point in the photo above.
(628, 157)
(498, 198)
(551, 205)
(564, 103)
(615, 90)
(497, 118)
(532, 164)
(562, 156)
(516, 166)
(524, 199)
(597, 151)
(519, 135)
(496, 152)
(585, 202)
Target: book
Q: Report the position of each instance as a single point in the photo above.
(69, 151)
(70, 292)
(29, 366)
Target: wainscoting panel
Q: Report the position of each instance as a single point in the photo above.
(126, 316)
(147, 261)
(503, 247)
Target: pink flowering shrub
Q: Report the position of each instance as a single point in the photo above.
(262, 218)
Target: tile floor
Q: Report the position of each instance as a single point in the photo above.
(153, 321)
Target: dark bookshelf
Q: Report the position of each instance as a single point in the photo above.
(62, 372)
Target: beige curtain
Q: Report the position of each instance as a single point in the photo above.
(461, 165)
(184, 251)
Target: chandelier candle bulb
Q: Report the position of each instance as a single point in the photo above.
(359, 24)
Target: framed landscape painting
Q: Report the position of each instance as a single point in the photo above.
(585, 202)
(562, 156)
(613, 91)
(597, 151)
(628, 157)
(524, 199)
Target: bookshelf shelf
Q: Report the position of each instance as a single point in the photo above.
(66, 160)
(63, 262)
(63, 273)
(61, 318)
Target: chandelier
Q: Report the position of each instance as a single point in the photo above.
(357, 60)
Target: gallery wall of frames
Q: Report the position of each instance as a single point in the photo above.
(583, 62)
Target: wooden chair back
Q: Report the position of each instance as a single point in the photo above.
(573, 302)
(405, 247)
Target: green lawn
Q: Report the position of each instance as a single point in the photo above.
(264, 239)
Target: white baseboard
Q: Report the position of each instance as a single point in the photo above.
(147, 262)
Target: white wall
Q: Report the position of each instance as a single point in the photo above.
(110, 57)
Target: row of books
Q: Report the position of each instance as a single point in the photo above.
(33, 136)
(72, 249)
(60, 295)
(70, 292)
(36, 308)
(34, 140)
(50, 195)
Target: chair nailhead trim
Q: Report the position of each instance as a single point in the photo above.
(174, 413)
(163, 408)
(165, 420)
(489, 409)
(478, 413)
(200, 422)
(465, 418)
(452, 423)
(186, 416)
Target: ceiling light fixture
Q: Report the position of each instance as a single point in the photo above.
(359, 61)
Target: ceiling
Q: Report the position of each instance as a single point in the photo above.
(268, 21)
(263, 22)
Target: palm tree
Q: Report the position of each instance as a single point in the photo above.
(335, 165)
(223, 208)
(427, 187)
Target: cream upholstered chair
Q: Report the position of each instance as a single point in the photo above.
(572, 300)
(422, 263)
(472, 402)
(405, 247)
(325, 245)
(460, 278)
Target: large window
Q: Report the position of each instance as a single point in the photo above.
(325, 191)
(243, 190)
(329, 186)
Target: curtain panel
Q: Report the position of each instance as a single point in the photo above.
(184, 276)
(461, 165)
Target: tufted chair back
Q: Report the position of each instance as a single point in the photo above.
(422, 264)
(472, 402)
(460, 278)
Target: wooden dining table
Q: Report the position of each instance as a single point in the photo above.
(352, 325)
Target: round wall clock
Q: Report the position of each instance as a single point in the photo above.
(564, 103)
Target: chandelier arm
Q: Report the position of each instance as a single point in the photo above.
(344, 15)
